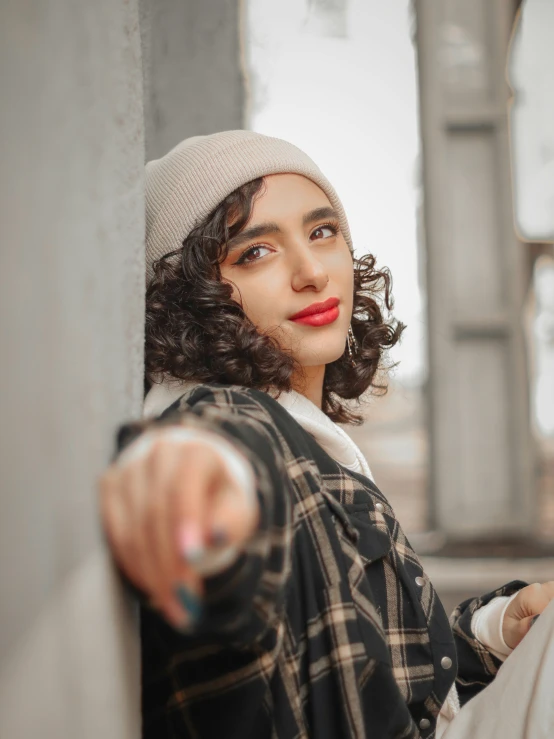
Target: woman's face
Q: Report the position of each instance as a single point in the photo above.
(292, 256)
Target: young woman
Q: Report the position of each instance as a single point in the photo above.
(280, 597)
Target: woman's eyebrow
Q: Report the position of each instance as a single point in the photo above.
(254, 232)
(318, 213)
(264, 229)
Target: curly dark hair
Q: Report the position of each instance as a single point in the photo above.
(196, 331)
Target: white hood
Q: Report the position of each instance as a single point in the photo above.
(331, 437)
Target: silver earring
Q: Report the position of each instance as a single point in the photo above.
(352, 344)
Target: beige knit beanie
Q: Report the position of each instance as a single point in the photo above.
(188, 183)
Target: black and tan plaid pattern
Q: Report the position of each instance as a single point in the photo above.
(320, 629)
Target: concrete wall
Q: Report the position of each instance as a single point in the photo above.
(71, 323)
(193, 72)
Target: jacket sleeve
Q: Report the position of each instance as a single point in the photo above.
(477, 666)
(247, 598)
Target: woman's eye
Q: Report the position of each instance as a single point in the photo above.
(251, 255)
(324, 232)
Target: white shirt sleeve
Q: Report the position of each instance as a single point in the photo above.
(487, 622)
(237, 466)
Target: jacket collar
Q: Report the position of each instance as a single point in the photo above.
(331, 437)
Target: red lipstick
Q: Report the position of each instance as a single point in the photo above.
(318, 314)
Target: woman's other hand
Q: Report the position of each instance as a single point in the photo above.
(165, 507)
(522, 610)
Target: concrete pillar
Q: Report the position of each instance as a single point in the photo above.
(481, 482)
(71, 327)
(193, 74)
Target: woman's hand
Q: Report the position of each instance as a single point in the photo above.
(522, 610)
(164, 509)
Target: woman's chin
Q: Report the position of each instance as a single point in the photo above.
(321, 353)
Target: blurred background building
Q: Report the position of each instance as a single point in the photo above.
(406, 107)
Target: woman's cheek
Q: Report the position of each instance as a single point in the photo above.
(257, 306)
(341, 272)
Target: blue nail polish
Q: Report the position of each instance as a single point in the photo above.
(190, 602)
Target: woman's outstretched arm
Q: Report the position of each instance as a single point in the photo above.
(164, 506)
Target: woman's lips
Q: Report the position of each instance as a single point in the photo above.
(319, 319)
(318, 314)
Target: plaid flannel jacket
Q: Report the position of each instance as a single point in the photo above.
(320, 629)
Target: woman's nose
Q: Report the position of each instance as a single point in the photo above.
(309, 272)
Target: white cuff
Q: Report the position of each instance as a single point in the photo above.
(487, 622)
(237, 466)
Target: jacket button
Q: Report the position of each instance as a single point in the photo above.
(379, 507)
(424, 723)
(420, 581)
(446, 663)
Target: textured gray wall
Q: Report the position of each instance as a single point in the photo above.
(193, 77)
(71, 323)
